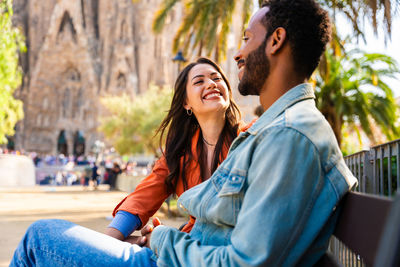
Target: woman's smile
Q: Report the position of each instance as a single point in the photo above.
(212, 95)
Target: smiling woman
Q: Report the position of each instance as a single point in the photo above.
(203, 89)
(202, 122)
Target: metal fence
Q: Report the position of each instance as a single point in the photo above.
(377, 169)
(378, 173)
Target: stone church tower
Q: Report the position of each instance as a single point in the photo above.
(79, 50)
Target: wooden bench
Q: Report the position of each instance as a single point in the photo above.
(370, 227)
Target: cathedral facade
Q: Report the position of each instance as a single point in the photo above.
(80, 50)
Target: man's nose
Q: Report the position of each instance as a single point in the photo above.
(237, 56)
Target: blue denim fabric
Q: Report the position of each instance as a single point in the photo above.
(62, 243)
(272, 201)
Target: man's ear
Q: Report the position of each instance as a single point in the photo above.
(277, 40)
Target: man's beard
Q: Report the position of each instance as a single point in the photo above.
(256, 71)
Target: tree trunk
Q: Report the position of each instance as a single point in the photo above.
(200, 48)
(334, 120)
(216, 55)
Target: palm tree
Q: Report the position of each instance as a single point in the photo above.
(375, 11)
(206, 23)
(205, 26)
(350, 88)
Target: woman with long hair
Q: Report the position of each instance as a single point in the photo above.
(202, 122)
(200, 126)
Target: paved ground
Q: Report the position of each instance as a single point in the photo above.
(19, 207)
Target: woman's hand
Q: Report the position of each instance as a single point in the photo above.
(114, 233)
(138, 240)
(146, 231)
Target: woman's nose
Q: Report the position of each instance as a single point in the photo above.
(211, 84)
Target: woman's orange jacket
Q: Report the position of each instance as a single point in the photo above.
(150, 194)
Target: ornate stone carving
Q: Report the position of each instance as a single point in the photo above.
(81, 50)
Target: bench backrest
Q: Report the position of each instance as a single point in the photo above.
(368, 226)
(389, 247)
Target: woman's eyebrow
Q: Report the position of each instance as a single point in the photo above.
(197, 76)
(202, 75)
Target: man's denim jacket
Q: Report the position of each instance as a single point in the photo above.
(272, 201)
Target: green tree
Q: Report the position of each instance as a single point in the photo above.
(11, 41)
(351, 90)
(132, 123)
(206, 23)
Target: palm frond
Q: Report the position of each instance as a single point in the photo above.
(247, 8)
(354, 83)
(161, 14)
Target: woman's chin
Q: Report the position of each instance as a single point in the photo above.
(215, 110)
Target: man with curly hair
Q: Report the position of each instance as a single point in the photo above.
(273, 201)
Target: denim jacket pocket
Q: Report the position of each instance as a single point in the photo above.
(232, 186)
(225, 208)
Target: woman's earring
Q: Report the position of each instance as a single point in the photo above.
(189, 112)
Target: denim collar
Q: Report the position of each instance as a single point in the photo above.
(298, 93)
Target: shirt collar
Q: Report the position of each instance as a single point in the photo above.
(298, 93)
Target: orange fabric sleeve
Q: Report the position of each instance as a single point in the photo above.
(244, 127)
(149, 195)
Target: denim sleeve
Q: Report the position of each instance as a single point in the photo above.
(125, 222)
(281, 212)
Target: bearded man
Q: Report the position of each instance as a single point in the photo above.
(273, 201)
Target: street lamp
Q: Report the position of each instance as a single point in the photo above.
(179, 59)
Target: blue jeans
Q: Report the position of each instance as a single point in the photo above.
(62, 243)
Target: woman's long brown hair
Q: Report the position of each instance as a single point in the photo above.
(181, 128)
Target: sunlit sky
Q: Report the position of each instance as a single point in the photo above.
(376, 44)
